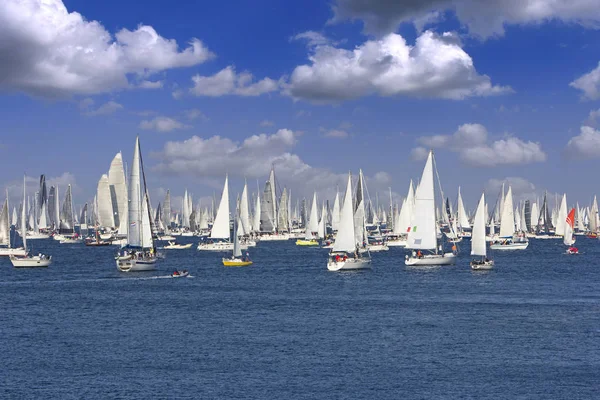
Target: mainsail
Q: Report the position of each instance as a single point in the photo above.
(105, 205)
(118, 193)
(267, 210)
(423, 233)
(220, 229)
(4, 224)
(478, 235)
(67, 221)
(344, 241)
(282, 224)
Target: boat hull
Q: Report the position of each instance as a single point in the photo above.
(349, 264)
(235, 262)
(510, 246)
(6, 251)
(178, 246)
(397, 243)
(304, 242)
(31, 262)
(219, 246)
(129, 264)
(37, 236)
(431, 259)
(373, 248)
(479, 266)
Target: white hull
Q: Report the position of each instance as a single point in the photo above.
(31, 262)
(247, 243)
(178, 246)
(59, 237)
(350, 264)
(129, 264)
(275, 238)
(119, 242)
(510, 246)
(187, 234)
(396, 243)
(548, 237)
(219, 246)
(37, 236)
(70, 241)
(432, 259)
(167, 237)
(486, 266)
(106, 236)
(373, 248)
(5, 251)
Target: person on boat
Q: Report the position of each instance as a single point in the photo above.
(337, 258)
(419, 254)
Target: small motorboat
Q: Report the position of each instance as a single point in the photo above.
(180, 274)
(176, 246)
(572, 250)
(482, 265)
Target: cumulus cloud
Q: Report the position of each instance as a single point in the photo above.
(252, 158)
(52, 52)
(592, 118)
(471, 142)
(584, 145)
(162, 124)
(228, 82)
(151, 85)
(436, 66)
(482, 18)
(589, 84)
(194, 113)
(419, 153)
(107, 108)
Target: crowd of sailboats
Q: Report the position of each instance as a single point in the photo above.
(426, 222)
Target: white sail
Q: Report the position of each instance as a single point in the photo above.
(105, 205)
(561, 218)
(43, 224)
(535, 216)
(134, 233)
(244, 211)
(237, 250)
(478, 235)
(256, 216)
(56, 209)
(274, 198)
(422, 235)
(185, 212)
(507, 221)
(23, 218)
(517, 220)
(220, 228)
(14, 216)
(4, 224)
(313, 219)
(523, 219)
(344, 241)
(403, 222)
(359, 210)
(463, 219)
(335, 214)
(146, 227)
(492, 226)
(321, 229)
(118, 194)
(580, 219)
(593, 216)
(569, 227)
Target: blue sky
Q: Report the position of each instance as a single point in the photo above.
(332, 86)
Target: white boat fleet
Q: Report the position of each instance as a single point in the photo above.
(425, 223)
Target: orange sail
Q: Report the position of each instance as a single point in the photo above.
(571, 218)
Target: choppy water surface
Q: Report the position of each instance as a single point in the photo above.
(287, 328)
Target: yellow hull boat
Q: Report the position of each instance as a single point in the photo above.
(304, 242)
(228, 262)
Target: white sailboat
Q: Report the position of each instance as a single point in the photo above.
(237, 259)
(345, 255)
(312, 227)
(509, 239)
(5, 240)
(463, 225)
(478, 243)
(139, 254)
(27, 260)
(423, 234)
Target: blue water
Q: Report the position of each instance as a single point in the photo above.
(287, 328)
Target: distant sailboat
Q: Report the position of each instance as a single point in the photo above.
(27, 260)
(345, 255)
(478, 243)
(509, 239)
(5, 233)
(423, 234)
(236, 259)
(569, 239)
(312, 227)
(139, 254)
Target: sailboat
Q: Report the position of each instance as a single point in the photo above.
(509, 239)
(139, 254)
(28, 261)
(345, 255)
(268, 213)
(568, 238)
(219, 238)
(402, 222)
(312, 227)
(236, 259)
(5, 231)
(423, 233)
(478, 243)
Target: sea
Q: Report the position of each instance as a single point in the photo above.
(286, 328)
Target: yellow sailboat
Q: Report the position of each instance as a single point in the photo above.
(236, 259)
(307, 242)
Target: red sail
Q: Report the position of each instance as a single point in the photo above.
(571, 218)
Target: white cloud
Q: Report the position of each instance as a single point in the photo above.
(162, 124)
(436, 66)
(335, 133)
(589, 84)
(585, 145)
(194, 113)
(105, 109)
(471, 142)
(419, 153)
(592, 118)
(266, 123)
(312, 38)
(228, 82)
(252, 158)
(482, 18)
(151, 85)
(32, 185)
(53, 53)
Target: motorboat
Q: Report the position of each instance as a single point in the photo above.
(180, 274)
(177, 246)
